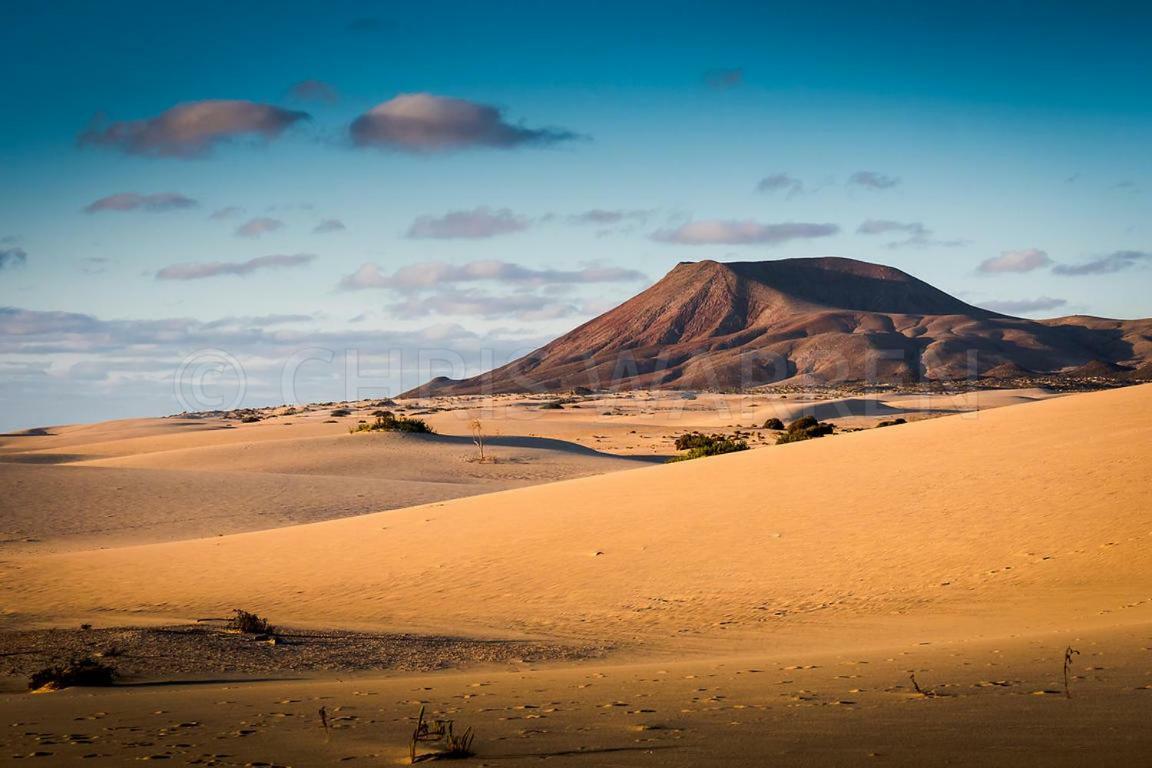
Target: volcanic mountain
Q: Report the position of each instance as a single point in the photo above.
(711, 325)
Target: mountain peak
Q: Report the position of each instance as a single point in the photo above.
(712, 325)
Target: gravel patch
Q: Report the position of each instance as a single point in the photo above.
(208, 650)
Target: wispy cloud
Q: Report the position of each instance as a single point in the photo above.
(477, 223)
(203, 269)
(94, 265)
(228, 212)
(423, 122)
(603, 217)
(1021, 260)
(329, 225)
(1116, 261)
(12, 257)
(130, 201)
(314, 90)
(723, 79)
(872, 180)
(746, 232)
(1024, 306)
(192, 129)
(433, 274)
(258, 227)
(453, 302)
(781, 182)
(916, 234)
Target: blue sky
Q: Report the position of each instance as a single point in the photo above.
(508, 170)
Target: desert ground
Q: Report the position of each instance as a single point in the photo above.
(888, 596)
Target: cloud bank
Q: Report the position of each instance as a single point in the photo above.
(433, 274)
(917, 234)
(203, 269)
(314, 90)
(478, 223)
(329, 225)
(192, 129)
(423, 122)
(781, 182)
(1024, 306)
(746, 232)
(872, 180)
(130, 201)
(1022, 260)
(1116, 261)
(257, 227)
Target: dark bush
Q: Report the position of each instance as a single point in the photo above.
(249, 419)
(773, 423)
(552, 405)
(249, 623)
(698, 445)
(891, 423)
(392, 423)
(805, 428)
(803, 423)
(341, 412)
(78, 672)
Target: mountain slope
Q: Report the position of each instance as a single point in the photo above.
(744, 324)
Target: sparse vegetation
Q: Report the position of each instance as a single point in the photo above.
(86, 672)
(451, 746)
(390, 422)
(341, 412)
(250, 419)
(773, 423)
(805, 428)
(891, 422)
(249, 623)
(698, 445)
(551, 405)
(478, 439)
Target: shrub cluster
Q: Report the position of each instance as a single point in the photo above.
(341, 412)
(891, 423)
(78, 672)
(805, 428)
(773, 423)
(386, 421)
(698, 445)
(249, 623)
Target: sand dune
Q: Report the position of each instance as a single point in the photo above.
(998, 522)
(127, 483)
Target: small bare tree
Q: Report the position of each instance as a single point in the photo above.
(478, 438)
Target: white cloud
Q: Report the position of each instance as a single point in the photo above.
(730, 232)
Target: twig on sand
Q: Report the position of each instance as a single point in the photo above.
(927, 693)
(1069, 652)
(324, 724)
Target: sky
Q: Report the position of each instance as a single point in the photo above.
(219, 204)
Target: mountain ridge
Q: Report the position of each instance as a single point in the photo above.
(710, 324)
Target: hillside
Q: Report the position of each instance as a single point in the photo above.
(711, 325)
